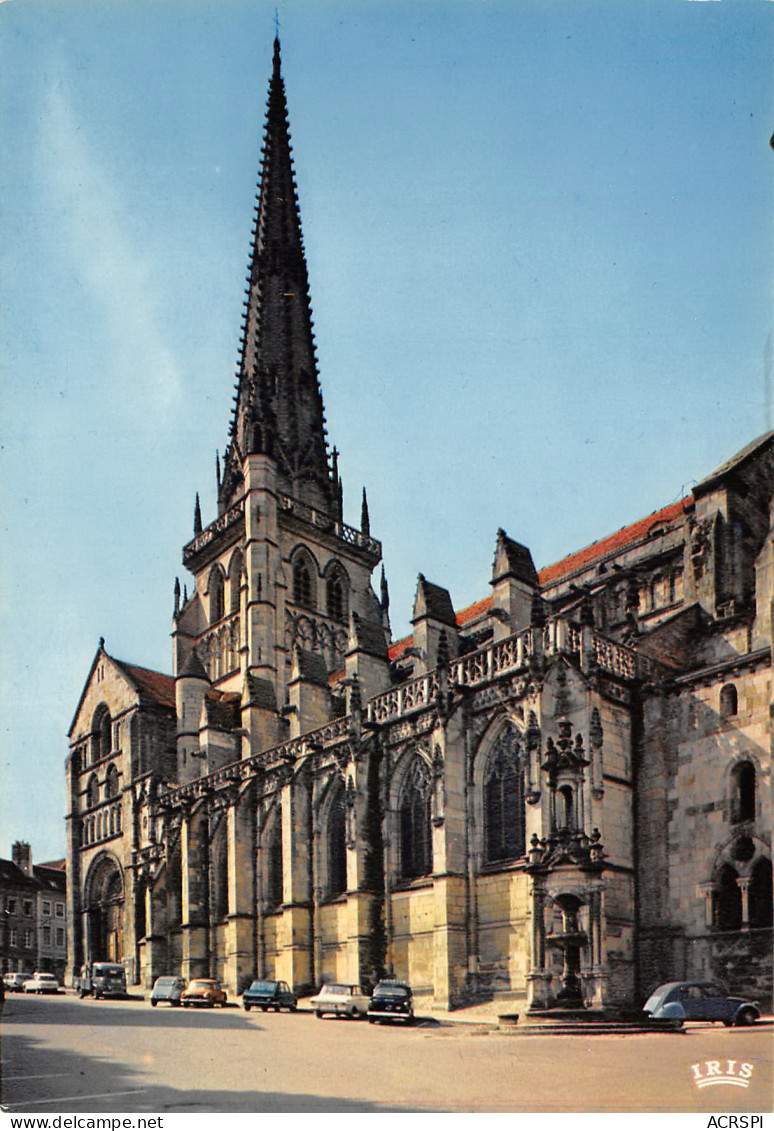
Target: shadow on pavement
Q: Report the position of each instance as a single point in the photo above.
(47, 1081)
(73, 1011)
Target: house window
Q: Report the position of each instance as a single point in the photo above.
(10, 905)
(45, 935)
(46, 907)
(60, 936)
(27, 907)
(59, 911)
(729, 701)
(29, 939)
(743, 792)
(337, 845)
(504, 807)
(416, 851)
(13, 936)
(105, 735)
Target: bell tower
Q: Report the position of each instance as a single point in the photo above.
(278, 574)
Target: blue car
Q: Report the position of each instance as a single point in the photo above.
(700, 1001)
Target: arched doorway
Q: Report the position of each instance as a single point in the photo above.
(104, 907)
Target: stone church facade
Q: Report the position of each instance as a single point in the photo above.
(561, 792)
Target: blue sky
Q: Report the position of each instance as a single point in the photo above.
(540, 245)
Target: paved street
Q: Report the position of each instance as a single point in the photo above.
(63, 1055)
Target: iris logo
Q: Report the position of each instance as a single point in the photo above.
(722, 1072)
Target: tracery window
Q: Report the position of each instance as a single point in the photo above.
(504, 822)
(337, 845)
(416, 848)
(235, 581)
(101, 736)
(336, 595)
(216, 594)
(303, 582)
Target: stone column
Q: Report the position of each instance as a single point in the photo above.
(744, 887)
(240, 927)
(538, 980)
(194, 866)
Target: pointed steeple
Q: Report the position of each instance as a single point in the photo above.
(365, 521)
(279, 406)
(197, 516)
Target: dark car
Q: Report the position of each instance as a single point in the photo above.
(169, 989)
(391, 1001)
(700, 1001)
(102, 979)
(265, 995)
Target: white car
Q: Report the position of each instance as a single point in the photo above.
(341, 998)
(16, 980)
(41, 984)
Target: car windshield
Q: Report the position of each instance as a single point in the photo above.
(263, 987)
(335, 988)
(102, 969)
(391, 991)
(201, 985)
(659, 996)
(165, 982)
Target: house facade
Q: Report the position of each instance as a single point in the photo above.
(561, 792)
(33, 924)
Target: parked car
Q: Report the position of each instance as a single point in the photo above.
(15, 981)
(167, 988)
(265, 994)
(203, 991)
(340, 998)
(41, 983)
(700, 1001)
(391, 1001)
(102, 979)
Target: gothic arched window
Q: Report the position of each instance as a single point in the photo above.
(235, 581)
(92, 792)
(504, 807)
(337, 845)
(728, 900)
(336, 595)
(743, 792)
(416, 847)
(274, 865)
(729, 701)
(111, 782)
(215, 590)
(303, 582)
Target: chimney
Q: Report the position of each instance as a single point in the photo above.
(21, 854)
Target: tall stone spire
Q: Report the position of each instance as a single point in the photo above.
(278, 405)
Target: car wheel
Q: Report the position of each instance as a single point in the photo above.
(354, 1013)
(247, 1007)
(746, 1017)
(264, 1008)
(371, 1020)
(318, 1013)
(277, 1008)
(293, 1008)
(154, 1003)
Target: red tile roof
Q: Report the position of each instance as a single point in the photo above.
(58, 865)
(158, 686)
(624, 537)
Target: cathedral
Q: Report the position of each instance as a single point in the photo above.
(560, 793)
